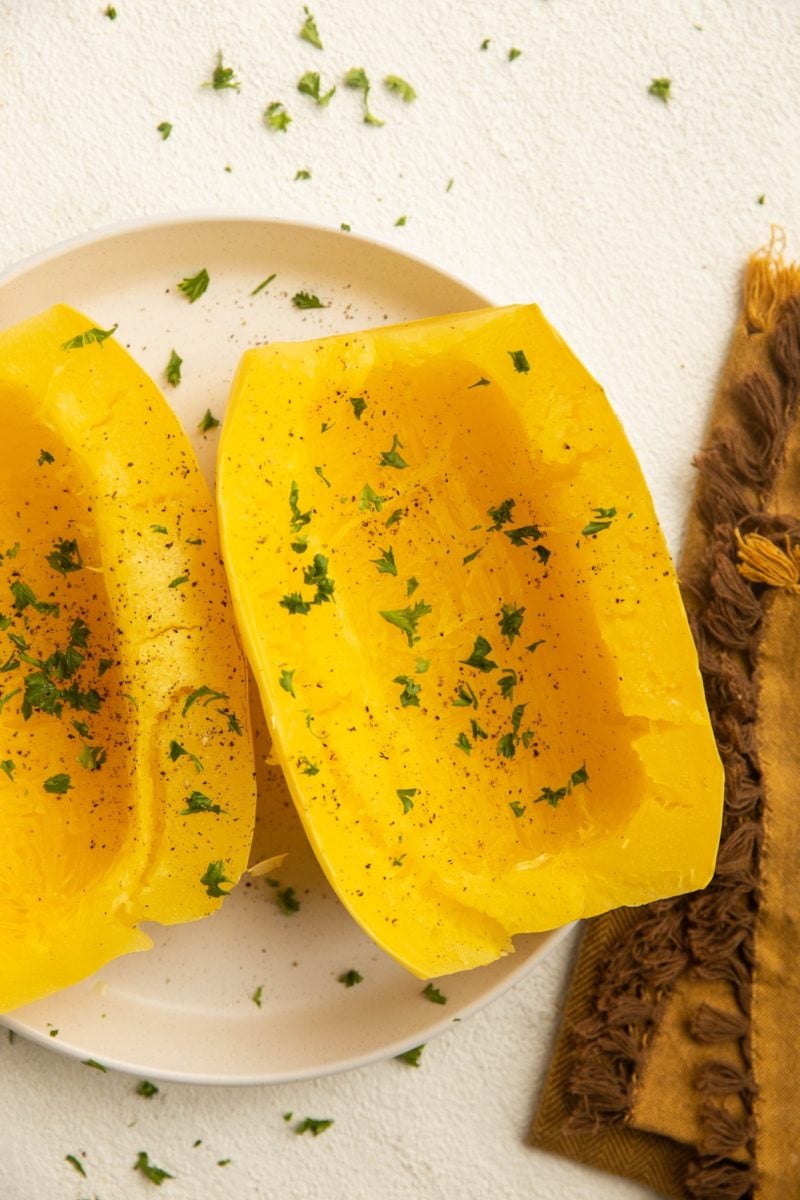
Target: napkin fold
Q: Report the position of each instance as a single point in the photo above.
(678, 1055)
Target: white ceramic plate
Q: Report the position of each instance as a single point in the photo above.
(185, 1010)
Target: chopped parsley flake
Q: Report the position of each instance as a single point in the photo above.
(507, 683)
(294, 603)
(307, 300)
(44, 457)
(65, 557)
(299, 519)
(8, 766)
(276, 117)
(286, 681)
(517, 808)
(409, 697)
(319, 471)
(165, 129)
(661, 88)
(307, 766)
(110, 12)
(308, 85)
(390, 458)
(351, 978)
(462, 742)
(507, 745)
(204, 695)
(482, 382)
(147, 1089)
(401, 220)
(520, 361)
(411, 1057)
(406, 796)
(91, 758)
(371, 500)
(287, 901)
(57, 785)
(470, 557)
(176, 751)
(222, 77)
(535, 645)
(76, 1163)
(486, 43)
(317, 575)
(155, 1174)
(478, 657)
(264, 283)
(433, 994)
(406, 619)
(422, 665)
(308, 30)
(511, 622)
(411, 585)
(501, 515)
(173, 370)
(400, 87)
(257, 994)
(207, 421)
(159, 528)
(553, 796)
(88, 337)
(394, 517)
(356, 78)
(96, 1066)
(385, 564)
(513, 53)
(359, 404)
(314, 1125)
(345, 227)
(193, 286)
(178, 581)
(524, 534)
(465, 697)
(214, 877)
(477, 732)
(198, 802)
(602, 520)
(302, 174)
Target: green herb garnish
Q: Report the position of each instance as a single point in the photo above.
(96, 1066)
(214, 877)
(307, 300)
(66, 557)
(507, 683)
(8, 766)
(222, 77)
(520, 361)
(193, 286)
(204, 695)
(406, 619)
(165, 129)
(602, 520)
(110, 12)
(462, 742)
(307, 766)
(319, 471)
(370, 500)
(513, 53)
(264, 283)
(661, 88)
(173, 370)
(552, 796)
(314, 1125)
(309, 85)
(317, 576)
(198, 802)
(302, 174)
(406, 796)
(409, 697)
(411, 1057)
(276, 117)
(91, 758)
(478, 733)
(478, 657)
(351, 978)
(147, 1089)
(57, 785)
(308, 30)
(44, 457)
(390, 458)
(299, 519)
(385, 564)
(88, 337)
(359, 404)
(524, 534)
(257, 994)
(470, 557)
(465, 697)
(287, 901)
(401, 220)
(400, 87)
(501, 515)
(356, 78)
(482, 382)
(510, 622)
(208, 421)
(286, 681)
(293, 602)
(517, 808)
(178, 581)
(432, 993)
(155, 1174)
(76, 1163)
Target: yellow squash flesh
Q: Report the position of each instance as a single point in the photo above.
(104, 514)
(569, 766)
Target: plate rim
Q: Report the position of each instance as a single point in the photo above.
(165, 221)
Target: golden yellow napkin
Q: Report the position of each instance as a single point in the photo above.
(679, 1052)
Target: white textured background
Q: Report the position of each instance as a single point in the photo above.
(628, 220)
